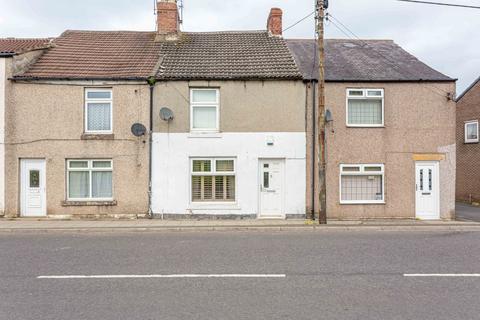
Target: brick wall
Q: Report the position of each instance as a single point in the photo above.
(468, 155)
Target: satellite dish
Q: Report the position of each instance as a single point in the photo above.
(166, 114)
(139, 130)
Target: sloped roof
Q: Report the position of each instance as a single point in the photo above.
(11, 46)
(98, 55)
(195, 56)
(228, 55)
(362, 60)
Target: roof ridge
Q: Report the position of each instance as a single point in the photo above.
(226, 31)
(25, 39)
(104, 31)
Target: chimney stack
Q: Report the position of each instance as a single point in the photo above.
(168, 20)
(274, 24)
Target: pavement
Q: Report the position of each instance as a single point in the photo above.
(468, 219)
(144, 225)
(466, 212)
(306, 275)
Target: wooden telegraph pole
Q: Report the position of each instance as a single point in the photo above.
(321, 6)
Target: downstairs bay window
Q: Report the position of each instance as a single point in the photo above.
(362, 184)
(213, 180)
(89, 180)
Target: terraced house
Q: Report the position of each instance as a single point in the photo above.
(223, 125)
(390, 147)
(15, 54)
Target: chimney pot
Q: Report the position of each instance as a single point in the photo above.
(275, 24)
(168, 22)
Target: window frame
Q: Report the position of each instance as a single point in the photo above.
(467, 123)
(365, 96)
(362, 172)
(90, 169)
(213, 173)
(205, 105)
(90, 100)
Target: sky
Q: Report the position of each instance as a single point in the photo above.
(445, 38)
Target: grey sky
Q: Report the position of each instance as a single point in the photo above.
(445, 38)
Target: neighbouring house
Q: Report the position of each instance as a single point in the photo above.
(468, 147)
(70, 150)
(390, 149)
(14, 54)
(229, 124)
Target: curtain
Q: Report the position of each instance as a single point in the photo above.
(99, 117)
(472, 131)
(204, 117)
(365, 112)
(204, 96)
(78, 185)
(102, 184)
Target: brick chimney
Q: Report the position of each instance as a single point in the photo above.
(274, 24)
(168, 20)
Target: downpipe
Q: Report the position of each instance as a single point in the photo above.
(151, 82)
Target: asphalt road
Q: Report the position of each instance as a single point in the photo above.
(328, 275)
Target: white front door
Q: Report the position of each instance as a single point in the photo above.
(427, 186)
(33, 188)
(271, 188)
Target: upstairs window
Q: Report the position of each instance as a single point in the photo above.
(362, 184)
(213, 180)
(98, 111)
(365, 107)
(471, 132)
(204, 110)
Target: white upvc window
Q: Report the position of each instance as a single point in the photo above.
(365, 107)
(471, 131)
(213, 180)
(362, 184)
(98, 111)
(204, 110)
(89, 180)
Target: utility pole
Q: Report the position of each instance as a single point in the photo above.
(321, 6)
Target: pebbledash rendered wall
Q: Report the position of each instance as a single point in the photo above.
(419, 122)
(2, 134)
(45, 120)
(251, 113)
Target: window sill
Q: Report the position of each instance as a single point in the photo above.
(89, 203)
(366, 126)
(98, 136)
(204, 135)
(215, 206)
(363, 203)
(471, 142)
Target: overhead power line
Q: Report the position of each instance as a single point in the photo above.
(442, 4)
(299, 21)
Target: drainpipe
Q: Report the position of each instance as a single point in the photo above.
(314, 139)
(151, 82)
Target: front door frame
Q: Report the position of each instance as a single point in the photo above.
(282, 214)
(436, 187)
(43, 186)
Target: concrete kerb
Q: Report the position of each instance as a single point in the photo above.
(238, 228)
